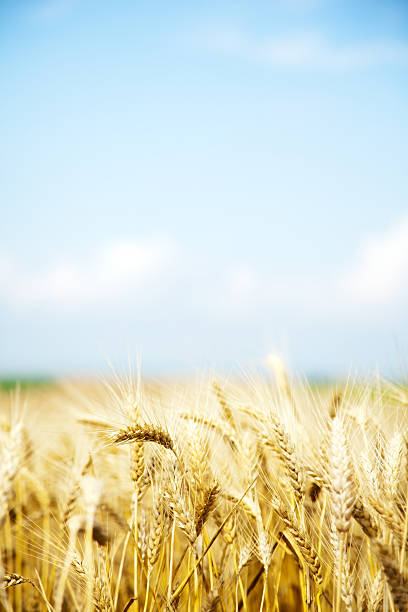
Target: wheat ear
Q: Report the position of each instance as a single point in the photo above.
(145, 433)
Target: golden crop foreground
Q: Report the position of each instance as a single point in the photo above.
(206, 496)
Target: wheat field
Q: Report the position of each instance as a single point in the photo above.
(207, 496)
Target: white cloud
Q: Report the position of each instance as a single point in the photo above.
(308, 50)
(248, 293)
(303, 5)
(380, 274)
(121, 268)
(53, 10)
(143, 273)
(241, 282)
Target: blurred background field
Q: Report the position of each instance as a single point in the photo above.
(208, 494)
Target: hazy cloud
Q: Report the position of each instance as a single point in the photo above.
(142, 271)
(53, 10)
(308, 50)
(380, 273)
(120, 268)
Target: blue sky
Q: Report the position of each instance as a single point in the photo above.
(202, 184)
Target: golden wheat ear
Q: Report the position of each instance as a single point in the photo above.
(146, 433)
